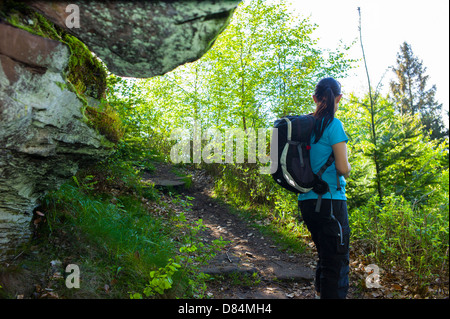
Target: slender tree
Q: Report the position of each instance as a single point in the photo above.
(372, 114)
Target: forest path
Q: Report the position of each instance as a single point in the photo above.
(280, 275)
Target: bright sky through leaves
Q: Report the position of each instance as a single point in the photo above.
(386, 24)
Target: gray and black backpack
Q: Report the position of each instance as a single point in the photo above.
(293, 166)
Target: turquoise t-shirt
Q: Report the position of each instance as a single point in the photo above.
(333, 134)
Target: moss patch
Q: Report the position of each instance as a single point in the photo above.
(106, 121)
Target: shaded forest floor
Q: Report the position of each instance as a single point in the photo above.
(251, 265)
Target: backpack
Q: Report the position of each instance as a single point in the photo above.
(292, 167)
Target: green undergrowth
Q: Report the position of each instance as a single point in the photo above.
(117, 241)
(128, 239)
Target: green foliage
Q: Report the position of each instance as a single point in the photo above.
(103, 209)
(263, 65)
(402, 235)
(161, 279)
(144, 128)
(87, 184)
(398, 188)
(390, 154)
(193, 253)
(124, 226)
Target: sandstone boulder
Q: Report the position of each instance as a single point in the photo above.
(144, 38)
(43, 140)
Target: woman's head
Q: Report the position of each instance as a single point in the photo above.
(326, 96)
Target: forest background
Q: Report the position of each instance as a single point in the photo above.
(264, 66)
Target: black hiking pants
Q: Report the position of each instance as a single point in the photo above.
(331, 236)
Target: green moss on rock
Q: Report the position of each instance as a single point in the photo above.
(85, 73)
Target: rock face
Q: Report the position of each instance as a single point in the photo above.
(43, 138)
(144, 38)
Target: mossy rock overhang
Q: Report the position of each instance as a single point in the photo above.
(143, 39)
(44, 139)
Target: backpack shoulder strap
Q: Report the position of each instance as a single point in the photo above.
(329, 161)
(327, 164)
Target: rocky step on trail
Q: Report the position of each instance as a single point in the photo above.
(163, 177)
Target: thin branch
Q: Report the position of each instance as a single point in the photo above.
(372, 114)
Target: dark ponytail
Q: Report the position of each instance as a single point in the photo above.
(326, 91)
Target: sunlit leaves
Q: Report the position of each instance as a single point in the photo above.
(408, 162)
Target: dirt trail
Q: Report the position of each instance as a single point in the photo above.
(280, 275)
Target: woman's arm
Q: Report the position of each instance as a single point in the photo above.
(341, 159)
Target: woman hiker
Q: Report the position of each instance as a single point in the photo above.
(329, 226)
